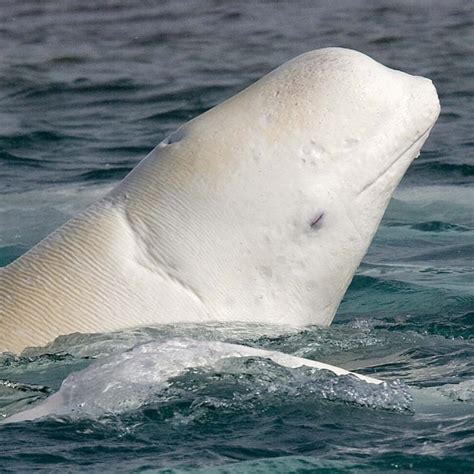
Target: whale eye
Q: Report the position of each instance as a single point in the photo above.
(317, 220)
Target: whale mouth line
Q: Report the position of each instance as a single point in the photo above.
(395, 161)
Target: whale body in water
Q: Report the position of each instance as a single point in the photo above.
(125, 381)
(259, 210)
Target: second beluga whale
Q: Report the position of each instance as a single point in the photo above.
(259, 210)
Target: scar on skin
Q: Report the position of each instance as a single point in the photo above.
(315, 221)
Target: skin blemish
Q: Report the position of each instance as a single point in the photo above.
(317, 221)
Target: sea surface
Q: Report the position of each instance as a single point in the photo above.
(87, 89)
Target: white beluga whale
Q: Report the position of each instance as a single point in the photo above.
(259, 210)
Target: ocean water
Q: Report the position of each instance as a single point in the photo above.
(85, 92)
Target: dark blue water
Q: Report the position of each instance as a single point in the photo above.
(86, 92)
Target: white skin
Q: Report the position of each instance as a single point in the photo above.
(259, 210)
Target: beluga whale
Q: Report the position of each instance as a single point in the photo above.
(259, 210)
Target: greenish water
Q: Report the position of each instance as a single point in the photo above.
(86, 92)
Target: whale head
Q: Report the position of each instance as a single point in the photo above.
(259, 210)
(275, 195)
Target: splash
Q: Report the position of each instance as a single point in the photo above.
(128, 380)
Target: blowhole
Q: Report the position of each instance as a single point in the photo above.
(175, 137)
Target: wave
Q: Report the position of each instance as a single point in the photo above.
(431, 226)
(164, 370)
(441, 172)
